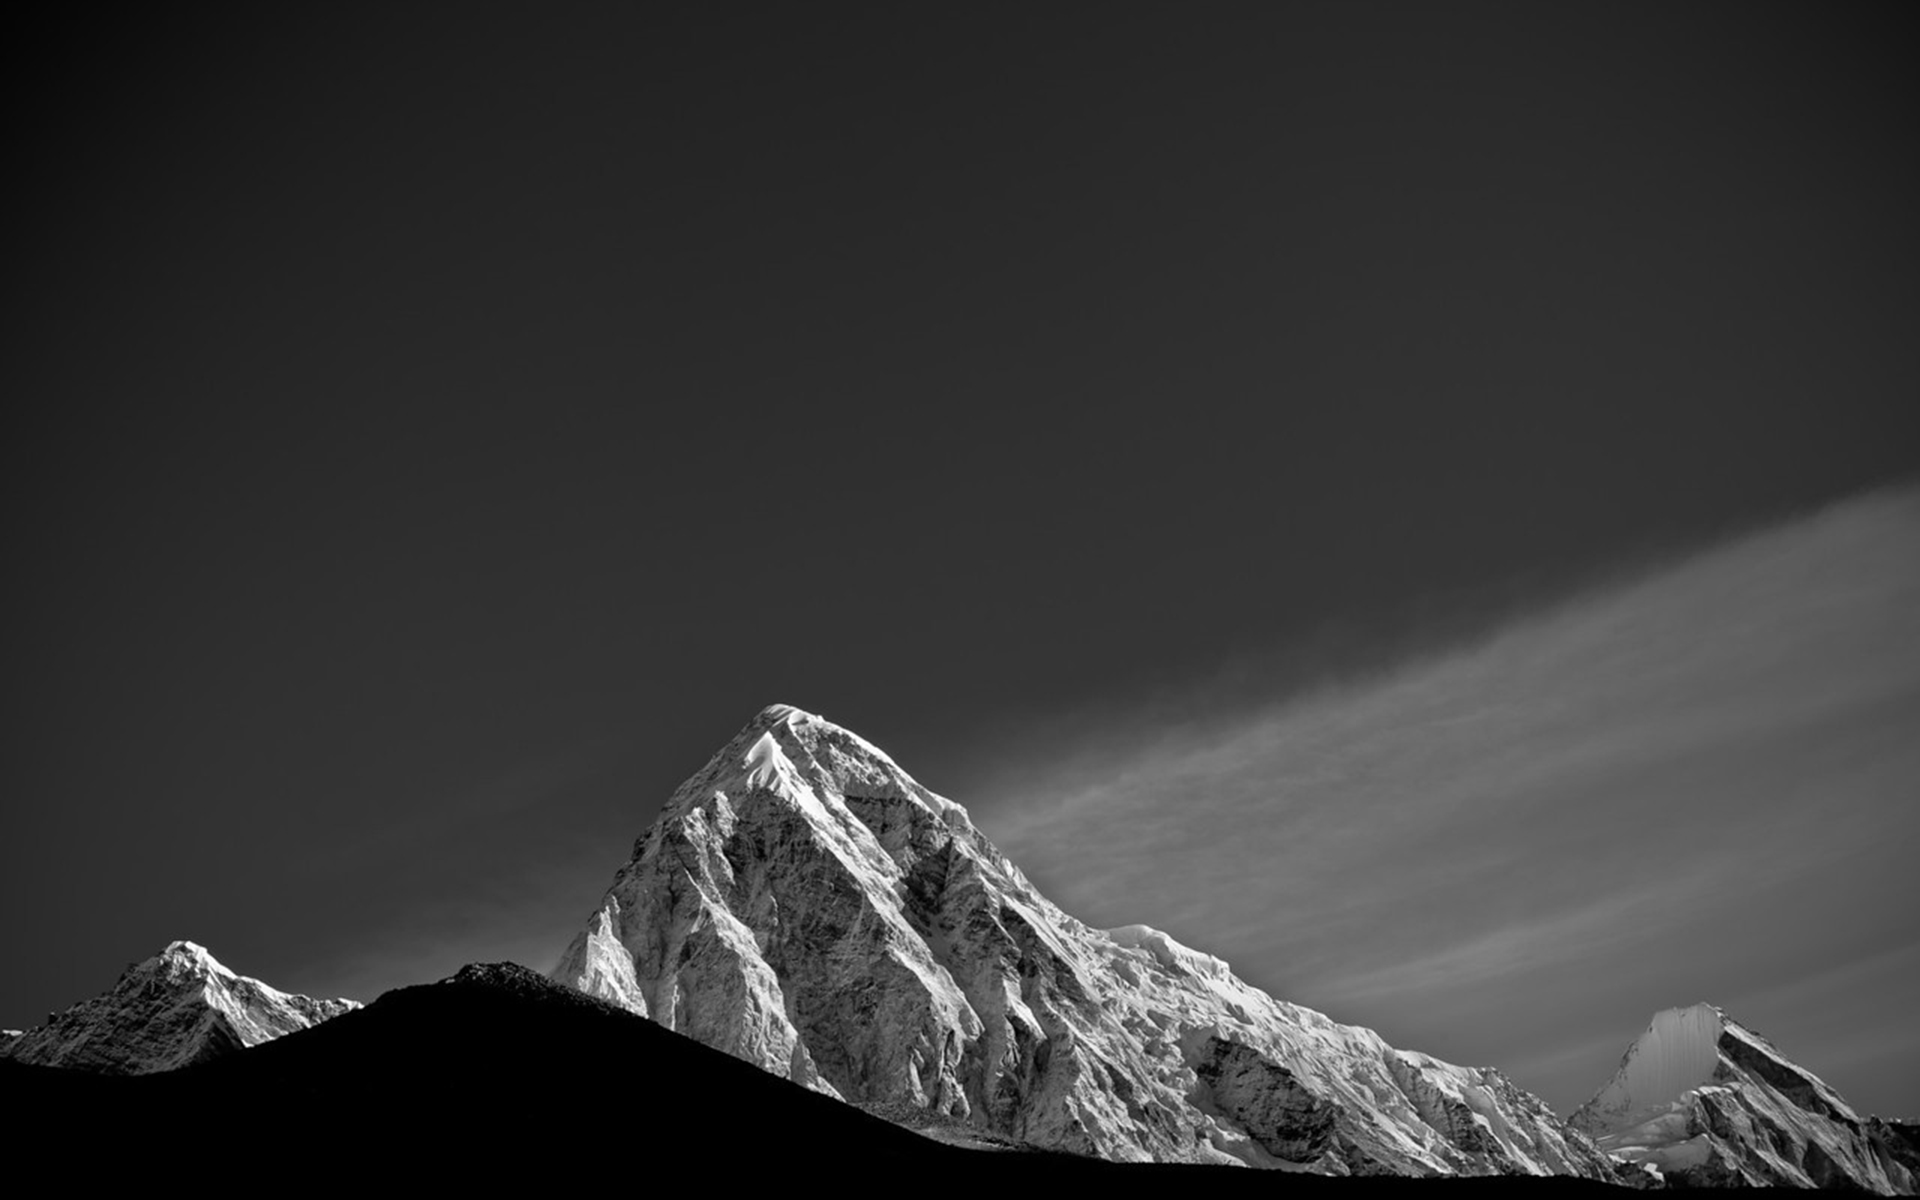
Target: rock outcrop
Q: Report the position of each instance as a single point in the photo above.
(803, 904)
(1706, 1102)
(178, 1007)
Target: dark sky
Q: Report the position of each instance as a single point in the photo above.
(433, 433)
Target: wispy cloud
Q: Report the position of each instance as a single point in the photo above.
(1559, 939)
(1649, 795)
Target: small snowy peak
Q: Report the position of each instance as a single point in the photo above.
(1701, 1100)
(180, 1006)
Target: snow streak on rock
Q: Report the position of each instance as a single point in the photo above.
(1704, 1101)
(178, 1007)
(804, 904)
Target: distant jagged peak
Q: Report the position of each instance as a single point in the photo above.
(174, 1008)
(1694, 1045)
(1703, 1100)
(1680, 1049)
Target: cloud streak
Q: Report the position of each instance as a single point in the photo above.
(1695, 784)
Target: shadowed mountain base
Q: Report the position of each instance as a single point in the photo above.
(498, 1077)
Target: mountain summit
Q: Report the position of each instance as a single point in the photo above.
(1703, 1100)
(803, 904)
(178, 1007)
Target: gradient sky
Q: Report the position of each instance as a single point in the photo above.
(1183, 439)
(1697, 785)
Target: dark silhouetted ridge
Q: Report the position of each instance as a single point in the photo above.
(498, 1077)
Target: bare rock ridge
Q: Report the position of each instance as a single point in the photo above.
(803, 904)
(178, 1007)
(1704, 1101)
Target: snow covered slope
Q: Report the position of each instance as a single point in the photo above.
(1705, 1101)
(802, 903)
(178, 1007)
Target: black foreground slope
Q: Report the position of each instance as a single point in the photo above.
(498, 1077)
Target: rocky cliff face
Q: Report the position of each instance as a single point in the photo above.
(804, 904)
(178, 1007)
(1705, 1101)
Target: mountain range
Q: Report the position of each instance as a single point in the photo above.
(804, 907)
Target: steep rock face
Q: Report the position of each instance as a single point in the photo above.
(178, 1007)
(1705, 1101)
(1898, 1143)
(804, 904)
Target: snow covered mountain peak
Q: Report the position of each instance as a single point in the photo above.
(185, 956)
(1702, 1099)
(774, 714)
(1680, 1049)
(179, 1006)
(787, 756)
(805, 904)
